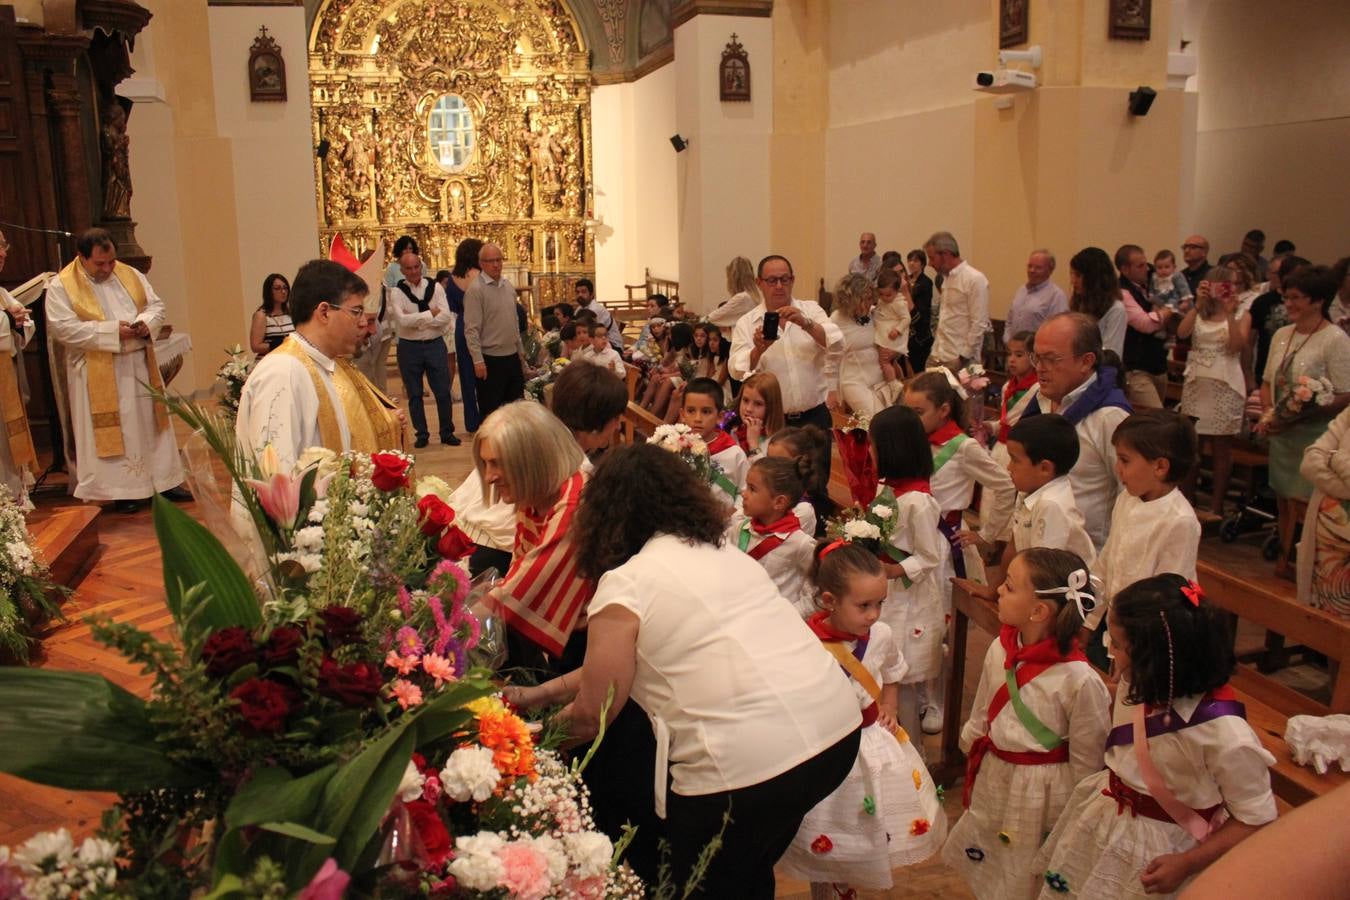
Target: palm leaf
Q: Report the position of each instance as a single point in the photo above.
(193, 556)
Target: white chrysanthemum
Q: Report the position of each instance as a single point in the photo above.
(555, 854)
(470, 772)
(858, 529)
(362, 525)
(881, 511)
(431, 484)
(318, 510)
(476, 865)
(325, 460)
(36, 853)
(590, 852)
(410, 787)
(309, 539)
(97, 852)
(357, 508)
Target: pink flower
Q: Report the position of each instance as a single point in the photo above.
(280, 498)
(524, 872)
(329, 883)
(439, 668)
(592, 888)
(401, 664)
(408, 642)
(406, 693)
(1303, 392)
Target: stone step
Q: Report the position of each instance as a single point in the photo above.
(66, 537)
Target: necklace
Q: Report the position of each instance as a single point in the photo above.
(1290, 352)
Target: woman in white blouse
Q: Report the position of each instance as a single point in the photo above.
(855, 378)
(751, 713)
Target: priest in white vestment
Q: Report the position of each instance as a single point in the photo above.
(16, 442)
(103, 315)
(281, 403)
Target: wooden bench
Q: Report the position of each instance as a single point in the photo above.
(633, 308)
(1291, 782)
(638, 424)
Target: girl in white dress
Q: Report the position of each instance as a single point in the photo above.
(890, 322)
(1017, 392)
(916, 558)
(766, 527)
(1026, 752)
(959, 463)
(1186, 778)
(759, 411)
(887, 812)
(810, 443)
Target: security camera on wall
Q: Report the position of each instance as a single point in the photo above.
(1004, 80)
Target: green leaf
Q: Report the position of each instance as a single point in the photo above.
(300, 832)
(193, 556)
(81, 732)
(228, 886)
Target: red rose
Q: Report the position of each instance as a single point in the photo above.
(355, 684)
(341, 624)
(436, 515)
(283, 647)
(822, 844)
(455, 544)
(390, 471)
(263, 704)
(432, 838)
(227, 650)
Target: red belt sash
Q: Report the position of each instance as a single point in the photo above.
(1141, 804)
(1016, 757)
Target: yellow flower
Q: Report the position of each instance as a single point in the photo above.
(918, 780)
(487, 706)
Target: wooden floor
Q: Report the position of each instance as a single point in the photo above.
(126, 584)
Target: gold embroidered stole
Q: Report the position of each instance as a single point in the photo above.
(100, 374)
(13, 416)
(371, 425)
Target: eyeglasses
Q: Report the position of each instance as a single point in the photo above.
(776, 280)
(1046, 360)
(489, 259)
(356, 312)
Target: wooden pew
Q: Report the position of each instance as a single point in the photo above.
(638, 424)
(1291, 782)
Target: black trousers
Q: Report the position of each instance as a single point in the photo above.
(430, 358)
(504, 383)
(764, 819)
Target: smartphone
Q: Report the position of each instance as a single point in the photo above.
(1221, 290)
(771, 326)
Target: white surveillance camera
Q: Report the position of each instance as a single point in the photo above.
(1004, 81)
(1031, 56)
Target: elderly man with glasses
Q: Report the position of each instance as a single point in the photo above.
(806, 346)
(1075, 384)
(963, 307)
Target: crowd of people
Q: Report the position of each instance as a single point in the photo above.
(749, 646)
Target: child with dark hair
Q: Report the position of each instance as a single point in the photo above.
(1153, 526)
(1033, 736)
(701, 409)
(590, 401)
(809, 442)
(1186, 778)
(665, 381)
(914, 603)
(1042, 450)
(1017, 393)
(573, 338)
(767, 528)
(886, 814)
(601, 352)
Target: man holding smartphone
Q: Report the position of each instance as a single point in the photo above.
(794, 340)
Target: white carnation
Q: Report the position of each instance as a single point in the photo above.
(309, 539)
(97, 852)
(46, 847)
(554, 853)
(476, 865)
(470, 772)
(325, 460)
(431, 484)
(357, 508)
(858, 529)
(410, 787)
(590, 852)
(881, 511)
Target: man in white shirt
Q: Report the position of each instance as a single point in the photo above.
(585, 294)
(104, 315)
(807, 346)
(1038, 299)
(1074, 384)
(422, 318)
(964, 303)
(867, 262)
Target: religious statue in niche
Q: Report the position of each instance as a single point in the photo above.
(546, 155)
(1012, 23)
(1131, 20)
(114, 145)
(734, 72)
(266, 69)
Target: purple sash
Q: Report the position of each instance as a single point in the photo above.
(958, 554)
(1207, 711)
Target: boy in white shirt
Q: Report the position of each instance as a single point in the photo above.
(701, 409)
(601, 352)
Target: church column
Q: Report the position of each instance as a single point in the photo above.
(722, 177)
(63, 98)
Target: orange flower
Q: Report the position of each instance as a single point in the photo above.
(918, 779)
(507, 736)
(919, 826)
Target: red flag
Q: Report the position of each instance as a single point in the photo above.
(338, 252)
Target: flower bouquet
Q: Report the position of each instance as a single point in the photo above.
(231, 376)
(1301, 396)
(871, 525)
(534, 388)
(25, 588)
(974, 380)
(681, 440)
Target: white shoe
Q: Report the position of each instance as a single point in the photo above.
(932, 720)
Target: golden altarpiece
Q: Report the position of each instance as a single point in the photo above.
(449, 119)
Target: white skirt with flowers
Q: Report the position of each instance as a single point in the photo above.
(886, 814)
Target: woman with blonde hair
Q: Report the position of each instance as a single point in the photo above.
(856, 378)
(743, 291)
(526, 456)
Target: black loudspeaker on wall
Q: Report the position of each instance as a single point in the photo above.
(678, 143)
(1141, 99)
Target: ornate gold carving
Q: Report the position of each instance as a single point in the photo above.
(377, 68)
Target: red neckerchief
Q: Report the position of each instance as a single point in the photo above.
(820, 626)
(944, 433)
(743, 437)
(723, 441)
(902, 486)
(1011, 388)
(1035, 659)
(786, 525)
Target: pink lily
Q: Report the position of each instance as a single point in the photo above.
(280, 498)
(329, 883)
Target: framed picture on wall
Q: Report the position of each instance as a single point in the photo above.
(733, 74)
(1012, 23)
(1130, 20)
(266, 69)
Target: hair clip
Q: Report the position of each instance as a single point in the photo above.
(831, 547)
(951, 379)
(1193, 592)
(1078, 591)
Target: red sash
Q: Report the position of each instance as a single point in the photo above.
(1141, 804)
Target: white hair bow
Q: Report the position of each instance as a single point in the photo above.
(1078, 592)
(951, 379)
